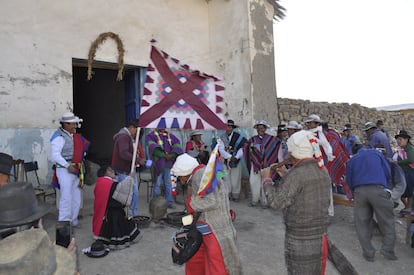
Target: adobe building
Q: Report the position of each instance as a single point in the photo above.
(44, 69)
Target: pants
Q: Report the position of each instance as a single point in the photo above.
(234, 181)
(208, 260)
(133, 208)
(257, 188)
(164, 178)
(70, 196)
(370, 200)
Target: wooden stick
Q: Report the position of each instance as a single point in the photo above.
(134, 156)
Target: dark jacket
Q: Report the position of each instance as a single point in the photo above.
(123, 151)
(368, 166)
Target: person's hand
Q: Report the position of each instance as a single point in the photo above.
(39, 225)
(72, 169)
(72, 248)
(281, 170)
(268, 189)
(168, 156)
(266, 173)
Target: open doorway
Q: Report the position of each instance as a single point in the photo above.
(105, 104)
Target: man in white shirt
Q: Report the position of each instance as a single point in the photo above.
(67, 153)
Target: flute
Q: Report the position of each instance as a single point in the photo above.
(276, 165)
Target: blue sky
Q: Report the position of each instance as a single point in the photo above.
(354, 51)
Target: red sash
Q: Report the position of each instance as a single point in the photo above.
(80, 147)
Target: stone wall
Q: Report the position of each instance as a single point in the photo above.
(338, 114)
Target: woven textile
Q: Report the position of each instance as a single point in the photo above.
(304, 197)
(176, 96)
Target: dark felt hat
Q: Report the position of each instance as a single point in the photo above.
(281, 128)
(231, 123)
(6, 163)
(97, 250)
(347, 127)
(403, 134)
(19, 206)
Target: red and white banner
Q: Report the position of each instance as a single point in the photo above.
(175, 96)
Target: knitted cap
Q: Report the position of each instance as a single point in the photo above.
(184, 165)
(303, 144)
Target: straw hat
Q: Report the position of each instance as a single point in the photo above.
(261, 122)
(369, 125)
(195, 133)
(70, 117)
(313, 118)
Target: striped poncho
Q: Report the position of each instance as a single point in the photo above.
(260, 152)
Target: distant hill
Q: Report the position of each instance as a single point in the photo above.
(397, 107)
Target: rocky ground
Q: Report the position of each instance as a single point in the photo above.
(260, 242)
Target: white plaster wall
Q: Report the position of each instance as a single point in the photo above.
(39, 39)
(229, 36)
(241, 37)
(263, 83)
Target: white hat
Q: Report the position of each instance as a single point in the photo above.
(294, 125)
(195, 133)
(261, 122)
(70, 117)
(314, 118)
(184, 165)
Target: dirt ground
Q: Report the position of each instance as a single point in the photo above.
(260, 241)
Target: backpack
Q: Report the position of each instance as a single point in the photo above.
(186, 242)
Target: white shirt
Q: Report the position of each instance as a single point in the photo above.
(224, 153)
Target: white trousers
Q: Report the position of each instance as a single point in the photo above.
(234, 180)
(69, 197)
(256, 188)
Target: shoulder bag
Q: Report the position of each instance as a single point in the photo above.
(186, 242)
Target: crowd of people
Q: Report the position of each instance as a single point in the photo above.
(300, 165)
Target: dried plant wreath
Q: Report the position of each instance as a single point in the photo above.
(94, 47)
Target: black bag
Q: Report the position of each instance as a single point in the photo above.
(186, 242)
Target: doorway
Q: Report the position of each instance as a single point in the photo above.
(105, 104)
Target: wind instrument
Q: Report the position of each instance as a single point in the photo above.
(276, 165)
